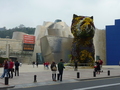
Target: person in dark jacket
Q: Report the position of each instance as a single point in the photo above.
(53, 69)
(17, 64)
(60, 69)
(37, 64)
(97, 67)
(101, 63)
(33, 63)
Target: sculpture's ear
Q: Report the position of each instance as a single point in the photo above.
(74, 16)
(91, 17)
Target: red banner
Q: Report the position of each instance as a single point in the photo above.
(29, 39)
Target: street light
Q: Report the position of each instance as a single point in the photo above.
(7, 50)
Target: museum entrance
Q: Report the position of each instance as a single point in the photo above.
(39, 58)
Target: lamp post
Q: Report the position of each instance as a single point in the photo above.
(7, 50)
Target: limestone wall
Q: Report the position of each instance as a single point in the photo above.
(15, 45)
(100, 44)
(18, 35)
(15, 50)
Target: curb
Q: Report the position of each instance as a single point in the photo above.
(96, 78)
(52, 83)
(3, 87)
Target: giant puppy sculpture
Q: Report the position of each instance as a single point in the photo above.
(83, 30)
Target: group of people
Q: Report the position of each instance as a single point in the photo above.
(8, 70)
(60, 67)
(98, 66)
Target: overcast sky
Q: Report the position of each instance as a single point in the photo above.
(34, 12)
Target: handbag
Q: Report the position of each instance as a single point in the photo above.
(54, 68)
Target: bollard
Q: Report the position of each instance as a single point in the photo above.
(108, 72)
(6, 80)
(94, 74)
(58, 75)
(78, 75)
(35, 77)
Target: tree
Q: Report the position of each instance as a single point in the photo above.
(9, 32)
(21, 26)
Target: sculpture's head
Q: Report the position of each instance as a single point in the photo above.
(82, 27)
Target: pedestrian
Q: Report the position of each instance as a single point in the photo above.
(101, 63)
(17, 64)
(33, 63)
(60, 69)
(76, 65)
(97, 67)
(5, 70)
(53, 69)
(37, 64)
(10, 68)
(20, 64)
(47, 65)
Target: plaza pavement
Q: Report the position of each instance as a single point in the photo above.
(27, 72)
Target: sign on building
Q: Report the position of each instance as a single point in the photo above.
(28, 42)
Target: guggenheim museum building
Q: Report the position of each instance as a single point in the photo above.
(52, 41)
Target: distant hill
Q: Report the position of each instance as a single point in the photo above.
(9, 32)
(2, 29)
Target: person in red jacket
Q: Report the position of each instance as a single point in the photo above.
(11, 65)
(101, 63)
(47, 65)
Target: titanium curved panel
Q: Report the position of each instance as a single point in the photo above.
(56, 48)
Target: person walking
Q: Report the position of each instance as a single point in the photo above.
(37, 64)
(20, 64)
(97, 67)
(17, 64)
(60, 69)
(47, 65)
(33, 63)
(11, 65)
(5, 70)
(53, 69)
(101, 63)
